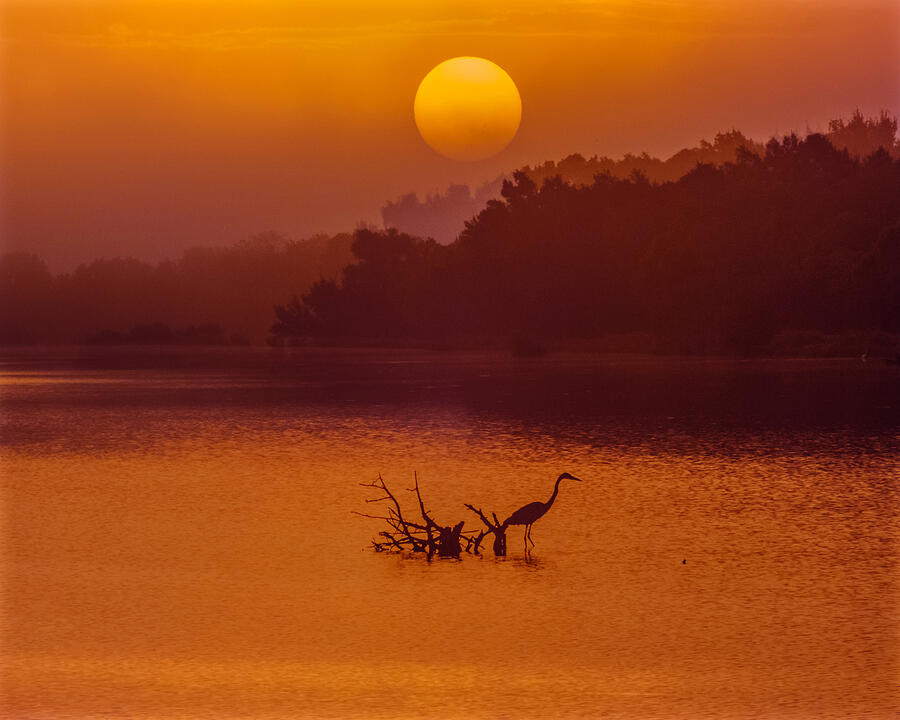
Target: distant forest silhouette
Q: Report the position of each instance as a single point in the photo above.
(728, 247)
(728, 258)
(207, 296)
(442, 216)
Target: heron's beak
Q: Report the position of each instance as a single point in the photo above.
(575, 478)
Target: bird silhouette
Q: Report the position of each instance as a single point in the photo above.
(528, 514)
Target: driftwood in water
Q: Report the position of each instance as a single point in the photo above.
(496, 528)
(424, 534)
(421, 535)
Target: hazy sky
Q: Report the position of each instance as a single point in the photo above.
(142, 128)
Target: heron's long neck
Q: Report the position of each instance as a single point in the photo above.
(555, 493)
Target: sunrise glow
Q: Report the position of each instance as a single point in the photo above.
(397, 359)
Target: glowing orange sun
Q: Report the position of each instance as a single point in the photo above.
(468, 108)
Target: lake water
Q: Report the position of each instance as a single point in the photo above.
(179, 543)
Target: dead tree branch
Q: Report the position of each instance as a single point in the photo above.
(496, 528)
(427, 536)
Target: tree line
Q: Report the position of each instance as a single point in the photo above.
(731, 245)
(442, 216)
(207, 296)
(802, 236)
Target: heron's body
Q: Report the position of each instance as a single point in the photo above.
(528, 514)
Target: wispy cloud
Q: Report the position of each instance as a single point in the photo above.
(403, 20)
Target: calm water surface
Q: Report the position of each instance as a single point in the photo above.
(178, 539)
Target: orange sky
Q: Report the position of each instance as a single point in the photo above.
(141, 128)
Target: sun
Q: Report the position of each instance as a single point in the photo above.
(468, 108)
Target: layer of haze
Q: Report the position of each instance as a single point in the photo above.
(143, 128)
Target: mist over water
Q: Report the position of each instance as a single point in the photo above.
(178, 539)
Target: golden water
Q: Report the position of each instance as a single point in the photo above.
(178, 539)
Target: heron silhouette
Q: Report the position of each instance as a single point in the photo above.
(528, 514)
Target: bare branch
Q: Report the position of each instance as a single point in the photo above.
(428, 536)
